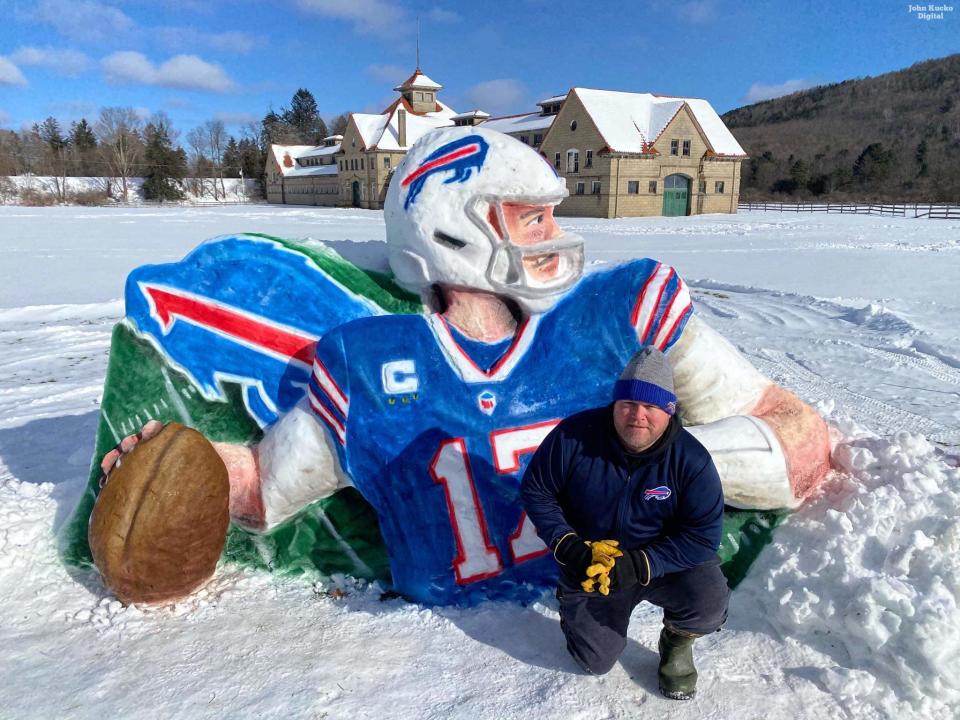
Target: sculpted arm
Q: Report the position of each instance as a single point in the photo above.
(295, 464)
(770, 447)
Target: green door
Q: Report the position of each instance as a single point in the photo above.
(676, 195)
(356, 194)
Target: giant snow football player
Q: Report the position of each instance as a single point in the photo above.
(433, 417)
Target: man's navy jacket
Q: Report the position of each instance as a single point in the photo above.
(667, 499)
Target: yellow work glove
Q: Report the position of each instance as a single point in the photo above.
(604, 554)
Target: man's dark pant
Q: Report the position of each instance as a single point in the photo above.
(694, 603)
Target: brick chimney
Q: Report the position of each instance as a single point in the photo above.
(402, 127)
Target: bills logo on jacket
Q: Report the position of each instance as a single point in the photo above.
(657, 493)
(463, 157)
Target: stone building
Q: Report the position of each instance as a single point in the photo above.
(622, 154)
(634, 154)
(353, 171)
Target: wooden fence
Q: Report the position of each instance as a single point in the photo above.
(914, 210)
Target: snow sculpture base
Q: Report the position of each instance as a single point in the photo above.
(231, 381)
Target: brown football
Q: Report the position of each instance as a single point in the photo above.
(160, 523)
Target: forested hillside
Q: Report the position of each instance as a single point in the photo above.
(890, 137)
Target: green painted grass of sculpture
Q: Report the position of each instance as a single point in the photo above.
(139, 387)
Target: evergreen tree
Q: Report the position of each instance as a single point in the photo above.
(49, 131)
(252, 160)
(338, 126)
(232, 162)
(275, 130)
(799, 173)
(304, 117)
(84, 144)
(921, 157)
(57, 144)
(873, 165)
(166, 165)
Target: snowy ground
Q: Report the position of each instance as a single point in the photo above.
(852, 612)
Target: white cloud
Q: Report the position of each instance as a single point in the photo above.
(498, 97)
(64, 61)
(84, 20)
(73, 108)
(4, 117)
(388, 73)
(441, 15)
(368, 17)
(760, 91)
(181, 71)
(10, 74)
(697, 11)
(187, 38)
(236, 118)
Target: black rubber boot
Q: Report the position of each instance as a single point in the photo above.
(677, 674)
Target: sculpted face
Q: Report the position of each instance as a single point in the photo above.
(530, 225)
(639, 425)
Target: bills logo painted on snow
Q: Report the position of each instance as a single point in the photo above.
(487, 402)
(461, 156)
(657, 493)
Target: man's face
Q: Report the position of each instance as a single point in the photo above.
(639, 425)
(529, 225)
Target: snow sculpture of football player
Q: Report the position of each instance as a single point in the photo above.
(433, 417)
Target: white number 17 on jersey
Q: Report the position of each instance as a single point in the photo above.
(477, 558)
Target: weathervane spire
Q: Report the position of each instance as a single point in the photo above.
(418, 43)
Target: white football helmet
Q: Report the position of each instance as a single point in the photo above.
(438, 216)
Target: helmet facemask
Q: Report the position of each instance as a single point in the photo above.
(526, 271)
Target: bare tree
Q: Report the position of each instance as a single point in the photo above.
(197, 142)
(217, 138)
(119, 130)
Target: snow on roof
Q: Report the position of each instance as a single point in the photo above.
(294, 151)
(370, 127)
(471, 114)
(312, 171)
(321, 151)
(554, 99)
(419, 81)
(334, 137)
(519, 123)
(628, 120)
(723, 141)
(417, 126)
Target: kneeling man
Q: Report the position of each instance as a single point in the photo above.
(632, 507)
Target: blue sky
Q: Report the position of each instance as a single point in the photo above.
(197, 60)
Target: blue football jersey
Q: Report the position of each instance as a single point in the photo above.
(437, 443)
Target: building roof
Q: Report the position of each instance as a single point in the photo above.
(321, 151)
(471, 114)
(312, 171)
(554, 99)
(382, 132)
(294, 151)
(418, 81)
(630, 122)
(520, 123)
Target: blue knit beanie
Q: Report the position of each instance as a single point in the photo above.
(648, 378)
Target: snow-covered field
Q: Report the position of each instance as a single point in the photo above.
(852, 612)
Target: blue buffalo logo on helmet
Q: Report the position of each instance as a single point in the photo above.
(461, 156)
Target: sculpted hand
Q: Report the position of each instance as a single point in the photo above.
(113, 458)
